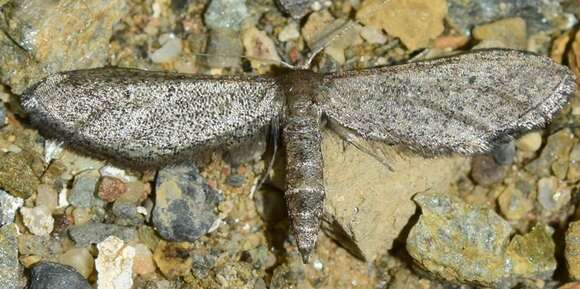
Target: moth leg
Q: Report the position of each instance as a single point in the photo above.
(274, 135)
(305, 185)
(361, 144)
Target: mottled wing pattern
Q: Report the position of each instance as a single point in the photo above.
(142, 118)
(460, 104)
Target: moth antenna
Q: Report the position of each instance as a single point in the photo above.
(273, 61)
(341, 31)
(274, 135)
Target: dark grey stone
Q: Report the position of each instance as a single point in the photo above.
(2, 114)
(93, 233)
(48, 275)
(83, 191)
(235, 180)
(184, 204)
(126, 214)
(504, 153)
(540, 15)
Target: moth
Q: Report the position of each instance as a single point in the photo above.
(460, 104)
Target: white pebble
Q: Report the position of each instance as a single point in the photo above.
(8, 207)
(115, 172)
(38, 220)
(373, 35)
(114, 264)
(52, 150)
(63, 198)
(289, 32)
(170, 49)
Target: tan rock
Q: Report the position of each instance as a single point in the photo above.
(415, 22)
(530, 142)
(572, 251)
(367, 205)
(259, 48)
(510, 31)
(80, 259)
(143, 262)
(173, 259)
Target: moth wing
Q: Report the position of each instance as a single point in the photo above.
(461, 104)
(143, 118)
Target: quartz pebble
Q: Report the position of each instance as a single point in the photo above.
(80, 259)
(8, 207)
(114, 264)
(289, 32)
(38, 220)
(143, 262)
(530, 142)
(170, 49)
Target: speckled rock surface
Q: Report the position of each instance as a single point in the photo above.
(55, 36)
(184, 204)
(17, 175)
(451, 237)
(10, 270)
(8, 207)
(367, 204)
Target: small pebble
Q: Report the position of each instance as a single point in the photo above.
(93, 233)
(17, 176)
(170, 49)
(504, 153)
(486, 171)
(38, 245)
(126, 214)
(38, 220)
(373, 35)
(82, 215)
(226, 14)
(260, 49)
(9, 265)
(80, 259)
(83, 190)
(174, 259)
(110, 189)
(510, 31)
(49, 275)
(551, 196)
(289, 32)
(143, 263)
(114, 264)
(530, 142)
(46, 196)
(224, 48)
(415, 22)
(235, 180)
(8, 207)
(184, 204)
(572, 251)
(514, 204)
(2, 114)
